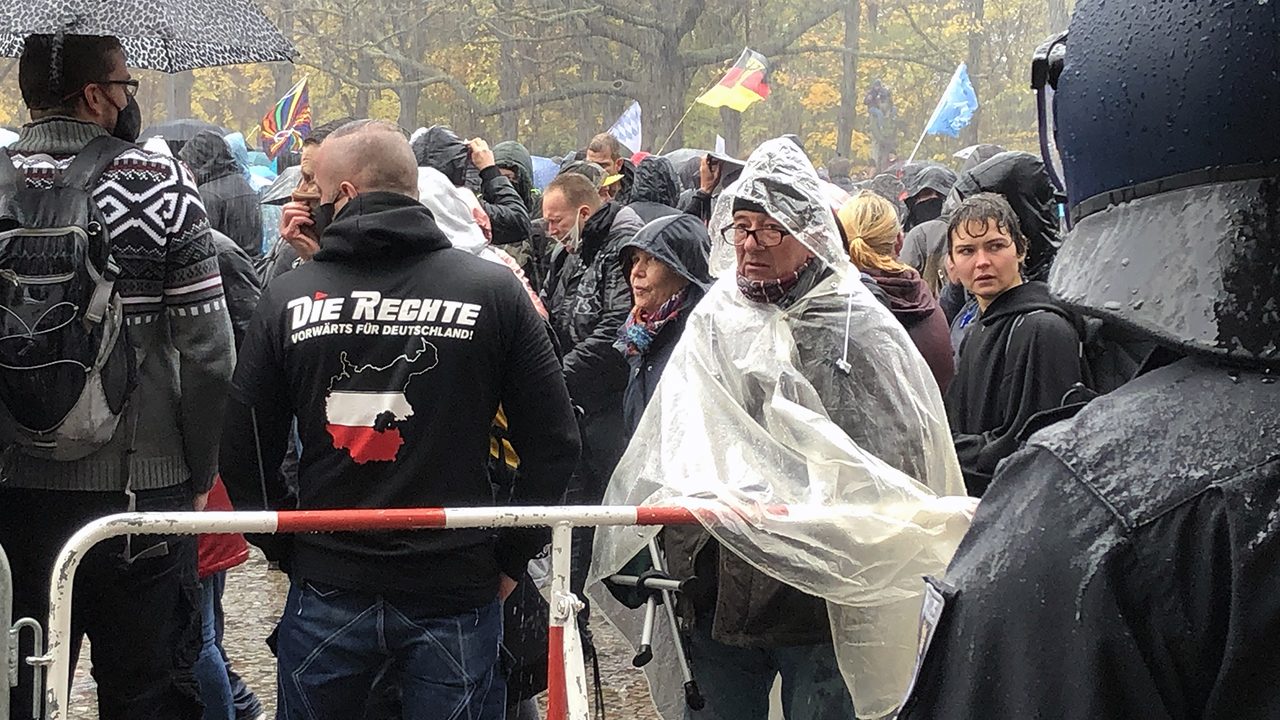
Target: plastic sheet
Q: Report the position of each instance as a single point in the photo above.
(825, 408)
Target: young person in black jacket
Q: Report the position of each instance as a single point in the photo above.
(1024, 352)
(394, 350)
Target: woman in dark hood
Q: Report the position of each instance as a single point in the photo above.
(871, 225)
(667, 269)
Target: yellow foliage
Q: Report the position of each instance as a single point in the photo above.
(821, 96)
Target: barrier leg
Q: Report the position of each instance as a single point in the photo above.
(8, 655)
(561, 616)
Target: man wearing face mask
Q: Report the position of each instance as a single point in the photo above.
(141, 614)
(394, 350)
(299, 239)
(589, 300)
(926, 232)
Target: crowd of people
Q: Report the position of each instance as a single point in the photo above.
(428, 328)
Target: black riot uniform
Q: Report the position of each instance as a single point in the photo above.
(1126, 562)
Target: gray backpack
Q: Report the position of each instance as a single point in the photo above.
(66, 367)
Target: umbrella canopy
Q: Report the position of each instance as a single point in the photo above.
(279, 192)
(169, 36)
(182, 130)
(681, 156)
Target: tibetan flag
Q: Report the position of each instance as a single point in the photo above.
(284, 128)
(745, 83)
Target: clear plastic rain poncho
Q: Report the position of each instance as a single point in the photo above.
(820, 435)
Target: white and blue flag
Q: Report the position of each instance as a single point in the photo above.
(627, 129)
(957, 106)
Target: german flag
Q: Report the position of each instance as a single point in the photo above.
(745, 83)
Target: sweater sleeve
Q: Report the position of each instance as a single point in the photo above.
(541, 424)
(199, 328)
(507, 213)
(1044, 357)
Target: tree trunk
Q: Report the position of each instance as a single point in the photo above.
(282, 73)
(509, 89)
(849, 78)
(586, 113)
(409, 100)
(667, 84)
(976, 39)
(731, 122)
(364, 96)
(183, 84)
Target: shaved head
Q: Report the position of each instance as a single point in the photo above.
(369, 156)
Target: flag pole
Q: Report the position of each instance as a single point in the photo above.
(685, 115)
(918, 143)
(677, 127)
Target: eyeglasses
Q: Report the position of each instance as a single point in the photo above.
(130, 86)
(766, 237)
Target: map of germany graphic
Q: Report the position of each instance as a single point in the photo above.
(365, 402)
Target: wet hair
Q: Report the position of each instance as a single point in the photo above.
(977, 212)
(376, 155)
(578, 190)
(54, 70)
(871, 225)
(318, 134)
(604, 142)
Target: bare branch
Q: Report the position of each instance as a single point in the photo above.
(912, 21)
(628, 17)
(606, 30)
(806, 49)
(774, 45)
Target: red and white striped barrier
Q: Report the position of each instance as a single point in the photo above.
(561, 671)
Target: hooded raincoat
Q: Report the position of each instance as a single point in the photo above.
(232, 204)
(513, 156)
(656, 190)
(818, 434)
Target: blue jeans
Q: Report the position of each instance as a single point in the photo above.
(736, 681)
(332, 643)
(210, 670)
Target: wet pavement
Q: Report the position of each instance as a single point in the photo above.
(254, 597)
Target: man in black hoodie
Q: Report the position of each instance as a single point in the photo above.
(1024, 352)
(394, 351)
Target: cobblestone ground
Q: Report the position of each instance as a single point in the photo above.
(253, 600)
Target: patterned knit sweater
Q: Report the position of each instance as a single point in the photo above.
(175, 313)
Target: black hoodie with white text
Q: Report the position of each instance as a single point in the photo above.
(394, 349)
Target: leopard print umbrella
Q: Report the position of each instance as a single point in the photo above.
(166, 35)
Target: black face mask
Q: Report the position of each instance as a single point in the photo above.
(128, 122)
(926, 210)
(322, 216)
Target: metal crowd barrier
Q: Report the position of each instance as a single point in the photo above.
(11, 641)
(566, 680)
